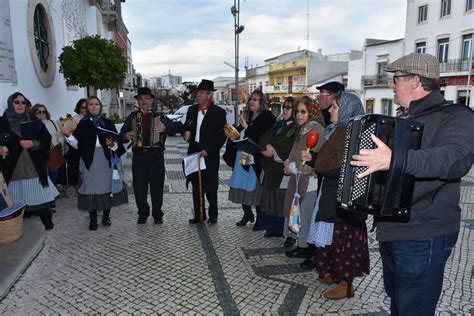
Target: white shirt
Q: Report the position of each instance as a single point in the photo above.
(198, 125)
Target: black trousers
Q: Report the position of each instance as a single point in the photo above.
(148, 169)
(210, 183)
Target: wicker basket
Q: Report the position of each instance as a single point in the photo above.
(12, 229)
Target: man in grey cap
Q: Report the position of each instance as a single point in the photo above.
(414, 254)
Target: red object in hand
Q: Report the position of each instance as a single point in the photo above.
(312, 139)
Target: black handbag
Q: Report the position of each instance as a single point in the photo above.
(229, 153)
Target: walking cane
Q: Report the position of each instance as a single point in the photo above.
(201, 197)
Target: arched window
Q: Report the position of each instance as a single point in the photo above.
(41, 37)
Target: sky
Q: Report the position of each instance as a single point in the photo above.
(193, 38)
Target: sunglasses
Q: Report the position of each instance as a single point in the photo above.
(41, 112)
(19, 102)
(301, 111)
(83, 107)
(400, 76)
(255, 99)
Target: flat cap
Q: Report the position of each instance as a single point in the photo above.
(424, 65)
(333, 86)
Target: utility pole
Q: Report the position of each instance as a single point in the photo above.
(235, 10)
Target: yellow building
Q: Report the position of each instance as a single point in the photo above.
(288, 78)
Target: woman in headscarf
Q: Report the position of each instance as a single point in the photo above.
(302, 181)
(340, 237)
(245, 187)
(23, 159)
(96, 148)
(277, 142)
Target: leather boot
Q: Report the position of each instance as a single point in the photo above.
(93, 220)
(342, 290)
(248, 216)
(326, 280)
(47, 219)
(106, 218)
(258, 222)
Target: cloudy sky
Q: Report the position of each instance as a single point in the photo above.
(193, 38)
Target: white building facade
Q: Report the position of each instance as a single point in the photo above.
(31, 65)
(445, 29)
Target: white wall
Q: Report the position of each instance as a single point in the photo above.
(355, 73)
(58, 98)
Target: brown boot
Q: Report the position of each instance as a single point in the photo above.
(326, 280)
(342, 290)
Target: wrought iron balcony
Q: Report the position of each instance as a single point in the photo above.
(376, 81)
(454, 65)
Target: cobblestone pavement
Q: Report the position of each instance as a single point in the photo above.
(176, 268)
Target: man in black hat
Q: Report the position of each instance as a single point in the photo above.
(333, 92)
(204, 130)
(148, 163)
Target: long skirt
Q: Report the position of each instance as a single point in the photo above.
(245, 188)
(33, 193)
(347, 257)
(96, 185)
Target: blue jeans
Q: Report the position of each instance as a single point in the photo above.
(413, 273)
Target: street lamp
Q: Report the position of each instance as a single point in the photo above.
(235, 10)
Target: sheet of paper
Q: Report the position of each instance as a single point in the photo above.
(191, 164)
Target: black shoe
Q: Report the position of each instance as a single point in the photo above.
(270, 235)
(158, 220)
(256, 228)
(298, 253)
(193, 221)
(289, 242)
(93, 226)
(106, 222)
(308, 264)
(93, 220)
(141, 221)
(245, 219)
(212, 220)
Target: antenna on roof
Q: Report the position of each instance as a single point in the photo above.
(307, 26)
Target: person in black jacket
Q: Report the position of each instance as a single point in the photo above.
(245, 185)
(414, 254)
(23, 160)
(148, 163)
(204, 130)
(96, 140)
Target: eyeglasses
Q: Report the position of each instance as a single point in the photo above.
(301, 111)
(255, 99)
(326, 94)
(400, 76)
(41, 112)
(19, 102)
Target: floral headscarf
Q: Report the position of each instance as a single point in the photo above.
(315, 115)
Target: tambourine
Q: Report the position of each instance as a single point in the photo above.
(234, 133)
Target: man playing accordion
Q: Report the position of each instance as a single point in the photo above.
(414, 254)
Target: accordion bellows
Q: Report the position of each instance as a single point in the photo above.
(385, 194)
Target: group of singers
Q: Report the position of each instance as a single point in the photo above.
(284, 175)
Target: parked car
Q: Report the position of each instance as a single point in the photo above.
(179, 117)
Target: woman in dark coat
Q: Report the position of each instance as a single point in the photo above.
(23, 161)
(278, 142)
(96, 148)
(340, 237)
(245, 187)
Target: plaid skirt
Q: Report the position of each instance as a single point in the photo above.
(100, 202)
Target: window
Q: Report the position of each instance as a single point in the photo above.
(387, 106)
(41, 37)
(422, 13)
(381, 68)
(469, 5)
(443, 48)
(466, 46)
(421, 47)
(445, 7)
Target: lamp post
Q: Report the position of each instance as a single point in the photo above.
(235, 10)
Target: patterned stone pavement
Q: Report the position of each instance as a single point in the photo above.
(176, 268)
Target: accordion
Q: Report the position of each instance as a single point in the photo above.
(147, 138)
(384, 194)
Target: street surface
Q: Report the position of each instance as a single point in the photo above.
(177, 268)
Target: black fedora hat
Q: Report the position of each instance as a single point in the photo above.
(332, 86)
(206, 85)
(144, 91)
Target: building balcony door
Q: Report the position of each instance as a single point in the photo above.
(369, 106)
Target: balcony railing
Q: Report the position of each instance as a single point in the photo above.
(376, 81)
(283, 88)
(454, 65)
